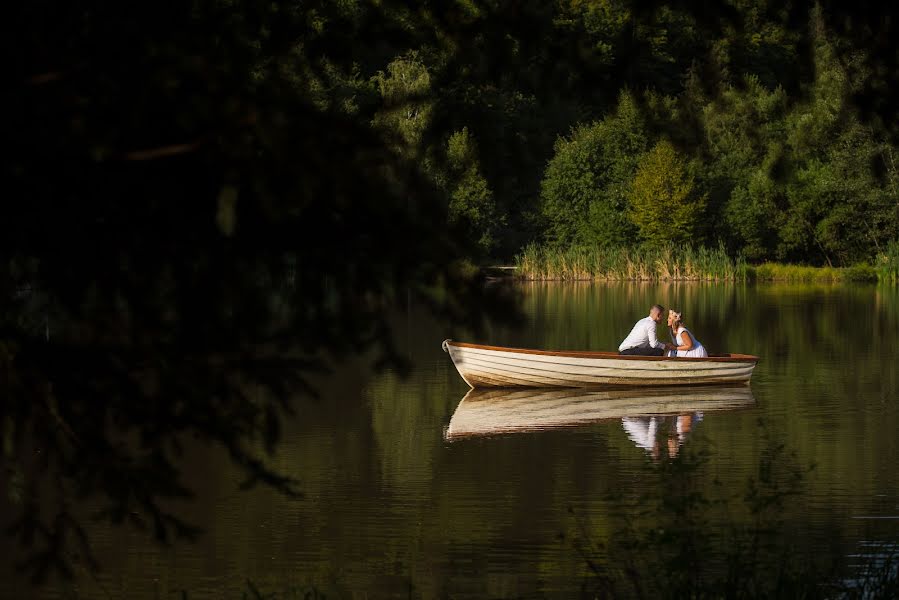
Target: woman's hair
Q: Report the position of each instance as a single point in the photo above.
(678, 319)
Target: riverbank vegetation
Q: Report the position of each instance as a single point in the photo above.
(887, 264)
(790, 179)
(685, 263)
(756, 137)
(670, 263)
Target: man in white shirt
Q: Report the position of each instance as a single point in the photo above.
(642, 340)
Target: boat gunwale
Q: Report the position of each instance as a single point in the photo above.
(732, 357)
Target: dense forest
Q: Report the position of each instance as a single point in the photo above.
(652, 132)
(596, 123)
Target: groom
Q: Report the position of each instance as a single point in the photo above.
(642, 340)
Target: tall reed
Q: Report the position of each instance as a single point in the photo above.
(586, 263)
(543, 263)
(887, 264)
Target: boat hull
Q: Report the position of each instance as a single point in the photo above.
(493, 366)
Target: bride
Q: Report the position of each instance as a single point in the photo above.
(685, 343)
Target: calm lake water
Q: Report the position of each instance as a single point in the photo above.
(394, 507)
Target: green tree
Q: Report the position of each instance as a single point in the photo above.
(471, 199)
(409, 105)
(584, 189)
(840, 207)
(841, 197)
(754, 214)
(407, 102)
(663, 204)
(742, 141)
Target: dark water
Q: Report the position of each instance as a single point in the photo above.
(392, 508)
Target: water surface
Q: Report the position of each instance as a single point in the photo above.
(395, 505)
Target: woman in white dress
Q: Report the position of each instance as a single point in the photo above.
(685, 343)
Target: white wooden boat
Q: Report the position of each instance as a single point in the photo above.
(495, 366)
(499, 411)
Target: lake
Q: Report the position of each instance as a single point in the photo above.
(799, 471)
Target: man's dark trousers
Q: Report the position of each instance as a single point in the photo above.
(642, 352)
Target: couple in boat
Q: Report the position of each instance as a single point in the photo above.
(642, 340)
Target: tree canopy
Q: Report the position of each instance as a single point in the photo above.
(663, 202)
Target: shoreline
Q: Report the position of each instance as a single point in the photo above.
(540, 263)
(764, 273)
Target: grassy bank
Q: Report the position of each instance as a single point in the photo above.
(801, 273)
(544, 263)
(887, 264)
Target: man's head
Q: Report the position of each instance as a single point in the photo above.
(656, 312)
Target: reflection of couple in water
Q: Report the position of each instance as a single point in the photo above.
(646, 431)
(642, 340)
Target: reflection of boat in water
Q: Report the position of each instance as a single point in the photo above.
(494, 366)
(490, 412)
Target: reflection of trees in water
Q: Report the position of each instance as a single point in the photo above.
(691, 537)
(606, 311)
(694, 536)
(113, 362)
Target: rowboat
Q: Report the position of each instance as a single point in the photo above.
(496, 366)
(500, 411)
